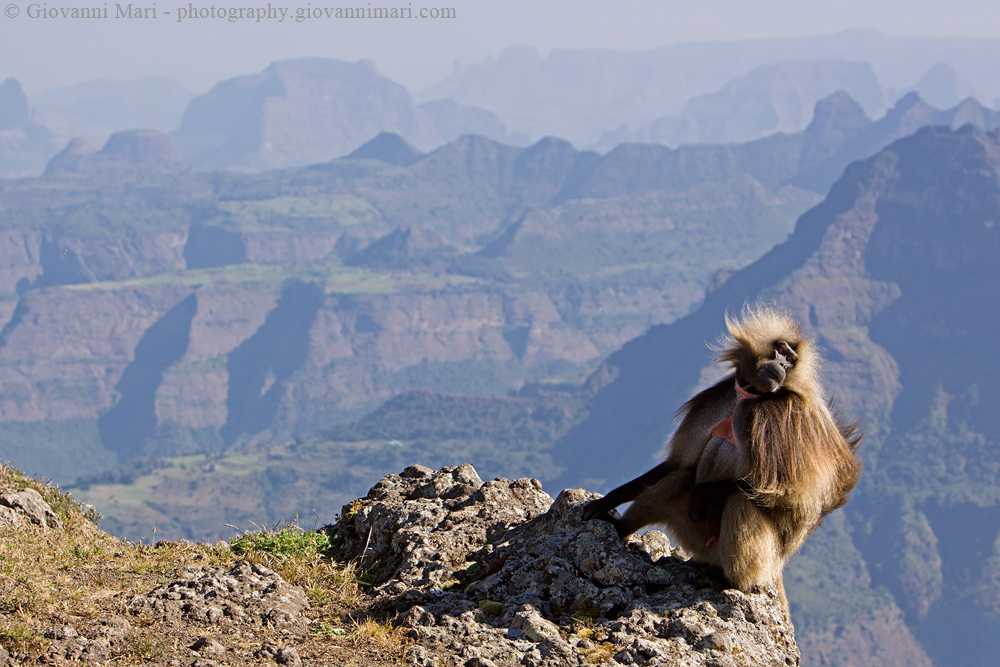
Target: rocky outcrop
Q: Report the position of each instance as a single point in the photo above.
(208, 596)
(24, 145)
(26, 505)
(496, 574)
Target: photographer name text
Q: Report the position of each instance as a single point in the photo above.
(257, 14)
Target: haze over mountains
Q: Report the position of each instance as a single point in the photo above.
(302, 111)
(579, 94)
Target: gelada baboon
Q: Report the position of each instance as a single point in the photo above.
(755, 464)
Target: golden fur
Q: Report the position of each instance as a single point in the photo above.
(793, 462)
(799, 450)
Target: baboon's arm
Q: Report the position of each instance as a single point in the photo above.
(701, 414)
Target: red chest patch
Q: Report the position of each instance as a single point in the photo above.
(724, 430)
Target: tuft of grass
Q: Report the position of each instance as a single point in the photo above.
(327, 629)
(289, 541)
(304, 558)
(599, 655)
(19, 637)
(380, 633)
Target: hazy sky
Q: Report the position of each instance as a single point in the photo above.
(47, 52)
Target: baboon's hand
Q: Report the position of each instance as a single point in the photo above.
(597, 509)
(593, 510)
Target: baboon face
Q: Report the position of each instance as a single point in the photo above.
(767, 374)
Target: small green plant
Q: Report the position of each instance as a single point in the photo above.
(17, 636)
(291, 540)
(329, 630)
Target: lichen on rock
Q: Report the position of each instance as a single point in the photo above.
(496, 573)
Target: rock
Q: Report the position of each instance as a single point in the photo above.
(534, 626)
(114, 629)
(213, 596)
(62, 632)
(66, 644)
(287, 656)
(419, 527)
(499, 574)
(9, 517)
(283, 655)
(30, 504)
(208, 646)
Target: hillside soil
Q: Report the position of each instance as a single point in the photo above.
(70, 592)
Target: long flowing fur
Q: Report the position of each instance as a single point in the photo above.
(748, 503)
(800, 450)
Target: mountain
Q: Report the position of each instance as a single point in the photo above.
(386, 147)
(580, 94)
(773, 98)
(96, 109)
(24, 145)
(224, 308)
(124, 151)
(942, 87)
(908, 115)
(152, 309)
(307, 110)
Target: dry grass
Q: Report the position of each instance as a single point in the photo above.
(80, 576)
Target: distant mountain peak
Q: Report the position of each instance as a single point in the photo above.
(838, 108)
(942, 87)
(308, 110)
(387, 147)
(124, 151)
(13, 105)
